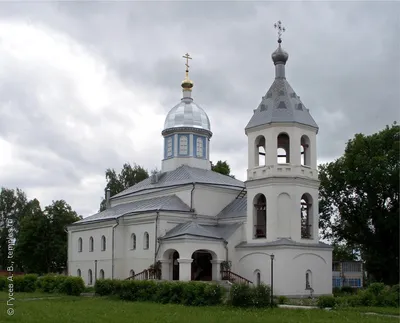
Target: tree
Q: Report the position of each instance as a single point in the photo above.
(222, 167)
(343, 253)
(42, 241)
(359, 201)
(12, 209)
(117, 183)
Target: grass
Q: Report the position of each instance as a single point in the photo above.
(18, 296)
(378, 310)
(68, 309)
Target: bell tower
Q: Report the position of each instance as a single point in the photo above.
(282, 178)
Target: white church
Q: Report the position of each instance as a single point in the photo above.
(192, 219)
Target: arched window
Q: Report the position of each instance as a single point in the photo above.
(80, 247)
(146, 241)
(283, 144)
(257, 275)
(103, 243)
(91, 244)
(308, 279)
(260, 151)
(260, 216)
(305, 151)
(101, 274)
(90, 277)
(131, 273)
(183, 145)
(169, 147)
(78, 273)
(133, 241)
(306, 216)
(199, 147)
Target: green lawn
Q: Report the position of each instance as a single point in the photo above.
(105, 310)
(19, 296)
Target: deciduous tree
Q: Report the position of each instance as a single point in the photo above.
(359, 200)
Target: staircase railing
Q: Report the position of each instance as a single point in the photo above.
(234, 278)
(144, 275)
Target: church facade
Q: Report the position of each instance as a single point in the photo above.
(192, 219)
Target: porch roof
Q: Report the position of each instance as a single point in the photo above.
(213, 232)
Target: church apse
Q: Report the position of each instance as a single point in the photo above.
(260, 216)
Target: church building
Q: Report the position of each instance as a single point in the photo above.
(192, 219)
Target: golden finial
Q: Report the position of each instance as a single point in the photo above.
(187, 84)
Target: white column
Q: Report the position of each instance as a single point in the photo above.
(185, 269)
(216, 269)
(165, 269)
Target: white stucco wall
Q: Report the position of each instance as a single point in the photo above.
(290, 267)
(85, 260)
(283, 210)
(211, 200)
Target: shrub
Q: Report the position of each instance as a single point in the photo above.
(18, 283)
(29, 282)
(261, 296)
(105, 287)
(240, 295)
(348, 290)
(326, 301)
(51, 283)
(282, 299)
(72, 286)
(376, 289)
(3, 283)
(243, 295)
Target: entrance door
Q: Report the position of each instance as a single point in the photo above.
(175, 266)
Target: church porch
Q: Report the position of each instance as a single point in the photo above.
(187, 261)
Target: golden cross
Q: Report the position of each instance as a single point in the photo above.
(280, 28)
(187, 56)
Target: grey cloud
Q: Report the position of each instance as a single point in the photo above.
(343, 61)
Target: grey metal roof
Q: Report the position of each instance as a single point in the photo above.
(281, 104)
(215, 232)
(164, 203)
(282, 242)
(236, 209)
(183, 175)
(187, 114)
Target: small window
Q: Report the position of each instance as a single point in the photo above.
(103, 243)
(90, 277)
(146, 242)
(199, 147)
(258, 279)
(78, 273)
(169, 147)
(183, 145)
(133, 241)
(308, 279)
(91, 244)
(101, 274)
(80, 245)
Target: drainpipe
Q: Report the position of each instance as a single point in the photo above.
(112, 247)
(156, 238)
(191, 197)
(226, 250)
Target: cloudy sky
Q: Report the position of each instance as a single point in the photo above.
(86, 85)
